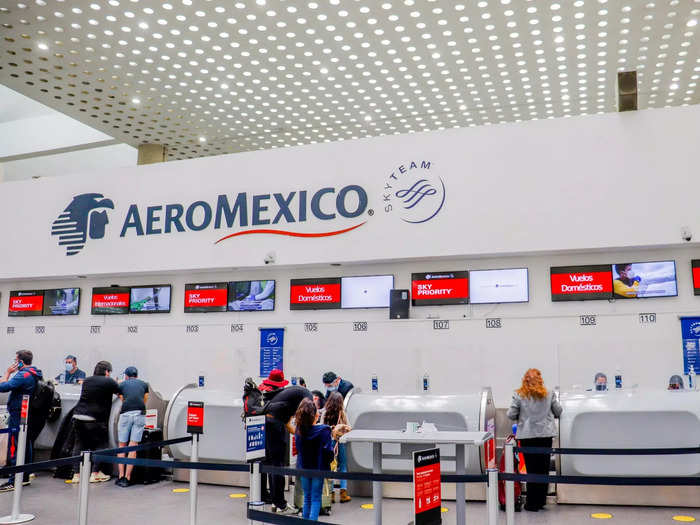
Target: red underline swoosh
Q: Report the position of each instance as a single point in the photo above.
(290, 234)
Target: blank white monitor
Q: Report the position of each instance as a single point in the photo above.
(499, 286)
(366, 292)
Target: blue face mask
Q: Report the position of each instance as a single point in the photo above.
(601, 386)
(69, 367)
(331, 388)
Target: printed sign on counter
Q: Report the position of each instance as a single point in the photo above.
(195, 417)
(427, 498)
(271, 350)
(690, 333)
(255, 437)
(151, 418)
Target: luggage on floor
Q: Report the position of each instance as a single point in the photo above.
(517, 485)
(148, 475)
(325, 496)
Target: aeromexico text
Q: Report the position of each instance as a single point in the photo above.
(247, 210)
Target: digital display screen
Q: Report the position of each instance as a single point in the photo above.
(695, 266)
(110, 300)
(62, 301)
(150, 299)
(581, 283)
(206, 297)
(250, 296)
(499, 286)
(26, 303)
(314, 294)
(366, 292)
(437, 288)
(642, 280)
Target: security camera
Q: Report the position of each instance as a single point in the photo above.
(270, 258)
(686, 234)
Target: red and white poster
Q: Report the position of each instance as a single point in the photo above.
(314, 294)
(695, 263)
(427, 498)
(579, 283)
(438, 288)
(195, 417)
(26, 303)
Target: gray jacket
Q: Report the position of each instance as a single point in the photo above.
(535, 417)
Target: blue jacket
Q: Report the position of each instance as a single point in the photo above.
(315, 448)
(23, 382)
(343, 388)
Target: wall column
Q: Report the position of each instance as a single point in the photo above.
(152, 153)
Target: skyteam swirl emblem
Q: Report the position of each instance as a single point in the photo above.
(414, 192)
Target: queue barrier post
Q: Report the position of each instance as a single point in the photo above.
(510, 485)
(16, 516)
(85, 469)
(255, 482)
(492, 496)
(193, 480)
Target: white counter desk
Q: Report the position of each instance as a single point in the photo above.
(377, 437)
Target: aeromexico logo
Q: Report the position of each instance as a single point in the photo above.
(84, 218)
(413, 191)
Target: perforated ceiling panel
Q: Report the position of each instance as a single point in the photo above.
(216, 76)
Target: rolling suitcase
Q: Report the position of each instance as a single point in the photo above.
(148, 475)
(517, 486)
(325, 496)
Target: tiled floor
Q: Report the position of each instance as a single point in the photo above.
(55, 502)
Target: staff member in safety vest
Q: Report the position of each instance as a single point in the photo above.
(23, 382)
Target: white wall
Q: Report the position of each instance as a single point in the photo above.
(541, 333)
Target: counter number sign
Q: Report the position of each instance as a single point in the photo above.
(427, 498)
(195, 417)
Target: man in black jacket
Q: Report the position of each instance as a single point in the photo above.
(333, 382)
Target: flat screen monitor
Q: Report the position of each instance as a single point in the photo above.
(371, 291)
(499, 286)
(314, 294)
(581, 283)
(62, 301)
(695, 266)
(110, 300)
(438, 288)
(642, 280)
(251, 296)
(26, 303)
(150, 299)
(205, 297)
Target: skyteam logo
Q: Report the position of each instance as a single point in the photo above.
(272, 339)
(82, 220)
(414, 192)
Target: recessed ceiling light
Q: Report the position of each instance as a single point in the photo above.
(204, 139)
(42, 46)
(692, 22)
(135, 101)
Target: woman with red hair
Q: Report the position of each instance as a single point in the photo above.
(534, 408)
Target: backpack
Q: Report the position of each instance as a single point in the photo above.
(253, 404)
(42, 405)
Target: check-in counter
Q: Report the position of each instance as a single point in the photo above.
(630, 418)
(70, 394)
(223, 440)
(456, 412)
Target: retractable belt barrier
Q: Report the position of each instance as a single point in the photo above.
(278, 519)
(40, 465)
(609, 451)
(8, 430)
(603, 480)
(145, 446)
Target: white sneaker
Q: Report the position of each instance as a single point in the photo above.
(99, 477)
(289, 509)
(76, 478)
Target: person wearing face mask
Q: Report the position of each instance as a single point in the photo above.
(91, 415)
(72, 374)
(601, 382)
(334, 383)
(675, 382)
(23, 382)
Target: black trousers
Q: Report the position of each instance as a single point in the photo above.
(275, 449)
(92, 435)
(536, 464)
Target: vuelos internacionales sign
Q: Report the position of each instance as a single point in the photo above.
(412, 190)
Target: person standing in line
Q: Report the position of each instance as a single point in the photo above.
(72, 373)
(132, 419)
(336, 418)
(269, 388)
(23, 382)
(334, 383)
(315, 449)
(91, 415)
(534, 408)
